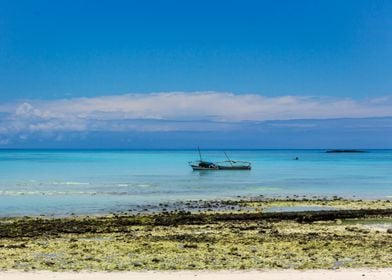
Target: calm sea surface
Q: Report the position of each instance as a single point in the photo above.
(61, 182)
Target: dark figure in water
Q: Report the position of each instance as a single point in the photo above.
(296, 158)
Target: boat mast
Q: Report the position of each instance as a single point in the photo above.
(198, 148)
(231, 163)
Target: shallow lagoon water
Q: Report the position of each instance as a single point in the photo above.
(34, 182)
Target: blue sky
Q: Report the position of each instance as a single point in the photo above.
(246, 61)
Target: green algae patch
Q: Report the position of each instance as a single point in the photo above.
(209, 240)
(338, 203)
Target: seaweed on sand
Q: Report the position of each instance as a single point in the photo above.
(208, 240)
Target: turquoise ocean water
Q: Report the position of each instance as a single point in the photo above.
(62, 182)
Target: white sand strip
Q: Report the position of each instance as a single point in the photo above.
(344, 274)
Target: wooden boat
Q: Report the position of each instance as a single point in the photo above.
(221, 165)
(234, 165)
(203, 165)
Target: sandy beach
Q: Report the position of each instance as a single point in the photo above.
(347, 274)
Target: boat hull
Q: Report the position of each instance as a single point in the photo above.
(198, 168)
(220, 165)
(234, 168)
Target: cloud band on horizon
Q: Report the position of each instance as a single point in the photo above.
(180, 111)
(77, 113)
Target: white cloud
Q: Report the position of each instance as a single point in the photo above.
(177, 111)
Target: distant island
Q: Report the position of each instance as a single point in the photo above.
(345, 151)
